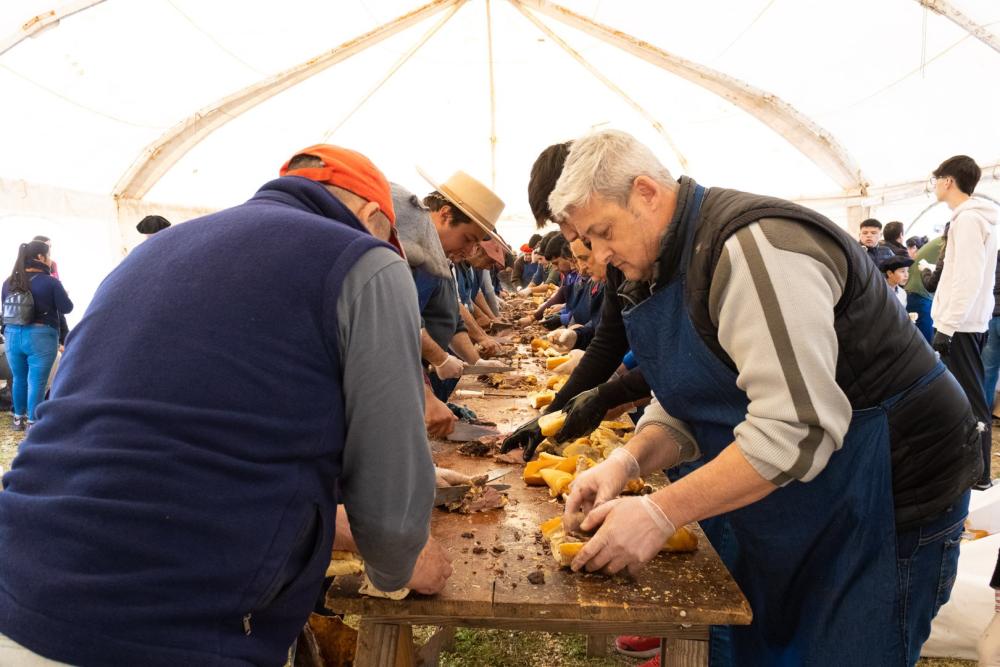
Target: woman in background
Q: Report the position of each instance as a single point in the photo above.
(31, 327)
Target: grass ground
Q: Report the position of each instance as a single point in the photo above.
(496, 648)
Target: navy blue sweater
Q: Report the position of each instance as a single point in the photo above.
(175, 503)
(50, 296)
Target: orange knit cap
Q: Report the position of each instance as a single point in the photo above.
(351, 171)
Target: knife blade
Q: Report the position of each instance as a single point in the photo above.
(464, 432)
(480, 369)
(451, 494)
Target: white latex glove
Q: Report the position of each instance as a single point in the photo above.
(602, 483)
(924, 265)
(492, 363)
(525, 291)
(449, 368)
(445, 477)
(989, 642)
(632, 531)
(562, 339)
(568, 366)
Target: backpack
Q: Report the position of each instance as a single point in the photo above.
(19, 307)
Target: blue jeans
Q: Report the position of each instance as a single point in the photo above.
(31, 351)
(991, 361)
(921, 305)
(927, 562)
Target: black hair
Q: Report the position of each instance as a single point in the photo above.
(544, 241)
(556, 247)
(152, 224)
(871, 222)
(963, 169)
(436, 201)
(544, 174)
(535, 238)
(917, 242)
(43, 239)
(25, 253)
(893, 231)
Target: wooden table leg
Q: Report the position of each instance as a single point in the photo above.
(384, 645)
(683, 653)
(597, 646)
(442, 640)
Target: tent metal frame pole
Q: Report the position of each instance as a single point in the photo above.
(493, 98)
(816, 143)
(392, 71)
(49, 19)
(952, 13)
(161, 155)
(657, 125)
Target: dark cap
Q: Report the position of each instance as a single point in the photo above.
(895, 262)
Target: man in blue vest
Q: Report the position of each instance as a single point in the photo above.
(225, 391)
(837, 451)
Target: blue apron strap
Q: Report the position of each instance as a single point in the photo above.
(692, 216)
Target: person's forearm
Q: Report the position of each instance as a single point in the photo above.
(726, 483)
(430, 350)
(654, 449)
(463, 346)
(475, 331)
(343, 539)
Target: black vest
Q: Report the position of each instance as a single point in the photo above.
(935, 452)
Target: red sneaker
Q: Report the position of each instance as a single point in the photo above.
(639, 647)
(655, 662)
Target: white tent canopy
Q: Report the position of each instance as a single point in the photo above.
(115, 109)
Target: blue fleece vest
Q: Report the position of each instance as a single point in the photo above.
(175, 503)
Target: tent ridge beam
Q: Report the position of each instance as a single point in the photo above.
(657, 125)
(952, 13)
(809, 138)
(160, 156)
(40, 22)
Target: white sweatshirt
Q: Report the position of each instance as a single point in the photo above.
(964, 298)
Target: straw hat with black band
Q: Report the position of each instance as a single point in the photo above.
(473, 199)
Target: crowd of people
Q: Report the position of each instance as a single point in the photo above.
(255, 387)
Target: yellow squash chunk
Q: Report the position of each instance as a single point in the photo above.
(555, 362)
(551, 423)
(561, 383)
(580, 446)
(532, 469)
(541, 399)
(634, 486)
(616, 425)
(567, 551)
(539, 344)
(557, 480)
(682, 541)
(551, 526)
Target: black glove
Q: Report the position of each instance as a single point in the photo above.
(527, 435)
(552, 322)
(584, 413)
(941, 343)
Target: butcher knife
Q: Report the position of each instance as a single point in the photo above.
(465, 432)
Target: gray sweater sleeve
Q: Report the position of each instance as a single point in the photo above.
(387, 481)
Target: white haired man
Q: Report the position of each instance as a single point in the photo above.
(837, 452)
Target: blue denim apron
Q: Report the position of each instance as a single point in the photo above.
(816, 560)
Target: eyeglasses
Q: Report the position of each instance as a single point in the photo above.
(932, 181)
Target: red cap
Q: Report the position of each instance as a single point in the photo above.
(525, 248)
(353, 172)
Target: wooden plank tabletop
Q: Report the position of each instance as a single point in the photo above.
(495, 551)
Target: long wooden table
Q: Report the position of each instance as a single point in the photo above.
(676, 596)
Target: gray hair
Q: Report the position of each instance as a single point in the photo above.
(604, 163)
